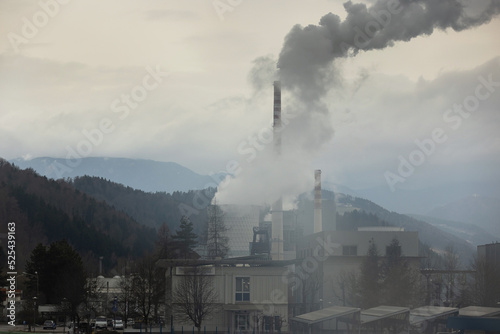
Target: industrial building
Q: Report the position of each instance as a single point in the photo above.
(251, 293)
(490, 253)
(241, 221)
(285, 268)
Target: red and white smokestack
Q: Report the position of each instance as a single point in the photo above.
(318, 215)
(277, 207)
(277, 116)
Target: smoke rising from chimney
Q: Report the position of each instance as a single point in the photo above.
(307, 72)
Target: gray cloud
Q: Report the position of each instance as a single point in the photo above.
(307, 72)
(169, 14)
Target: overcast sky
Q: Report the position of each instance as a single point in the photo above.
(191, 82)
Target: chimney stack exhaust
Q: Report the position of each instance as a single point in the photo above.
(277, 207)
(318, 211)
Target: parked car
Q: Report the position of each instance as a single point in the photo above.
(118, 324)
(101, 323)
(49, 324)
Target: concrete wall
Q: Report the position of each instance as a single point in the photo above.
(324, 254)
(268, 295)
(335, 240)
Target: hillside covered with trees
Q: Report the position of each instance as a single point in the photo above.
(46, 211)
(150, 209)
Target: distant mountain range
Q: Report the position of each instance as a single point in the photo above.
(465, 221)
(146, 175)
(152, 209)
(471, 233)
(423, 201)
(481, 211)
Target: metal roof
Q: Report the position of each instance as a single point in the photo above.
(325, 314)
(474, 323)
(479, 311)
(426, 313)
(381, 312)
(254, 260)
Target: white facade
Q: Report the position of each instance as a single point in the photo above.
(249, 297)
(106, 289)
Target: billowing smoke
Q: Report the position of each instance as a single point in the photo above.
(307, 72)
(308, 52)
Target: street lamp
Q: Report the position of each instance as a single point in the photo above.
(63, 305)
(34, 312)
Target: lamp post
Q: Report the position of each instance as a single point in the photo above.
(34, 312)
(63, 306)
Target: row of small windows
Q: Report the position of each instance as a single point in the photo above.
(347, 250)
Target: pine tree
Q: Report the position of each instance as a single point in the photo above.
(217, 240)
(185, 238)
(400, 285)
(57, 272)
(369, 282)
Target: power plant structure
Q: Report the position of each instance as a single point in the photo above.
(318, 214)
(277, 207)
(275, 234)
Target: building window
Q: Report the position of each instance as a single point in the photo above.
(271, 323)
(393, 250)
(241, 321)
(242, 289)
(350, 250)
(277, 323)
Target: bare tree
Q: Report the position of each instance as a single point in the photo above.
(164, 243)
(195, 297)
(126, 297)
(451, 262)
(484, 289)
(217, 240)
(311, 286)
(91, 303)
(148, 288)
(347, 282)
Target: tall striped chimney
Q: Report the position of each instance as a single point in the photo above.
(277, 207)
(277, 117)
(318, 214)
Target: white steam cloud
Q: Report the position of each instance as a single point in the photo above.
(307, 72)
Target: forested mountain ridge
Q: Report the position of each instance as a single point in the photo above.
(150, 209)
(157, 208)
(146, 175)
(46, 210)
(102, 218)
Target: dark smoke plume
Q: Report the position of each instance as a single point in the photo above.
(309, 51)
(307, 72)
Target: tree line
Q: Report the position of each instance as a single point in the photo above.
(55, 274)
